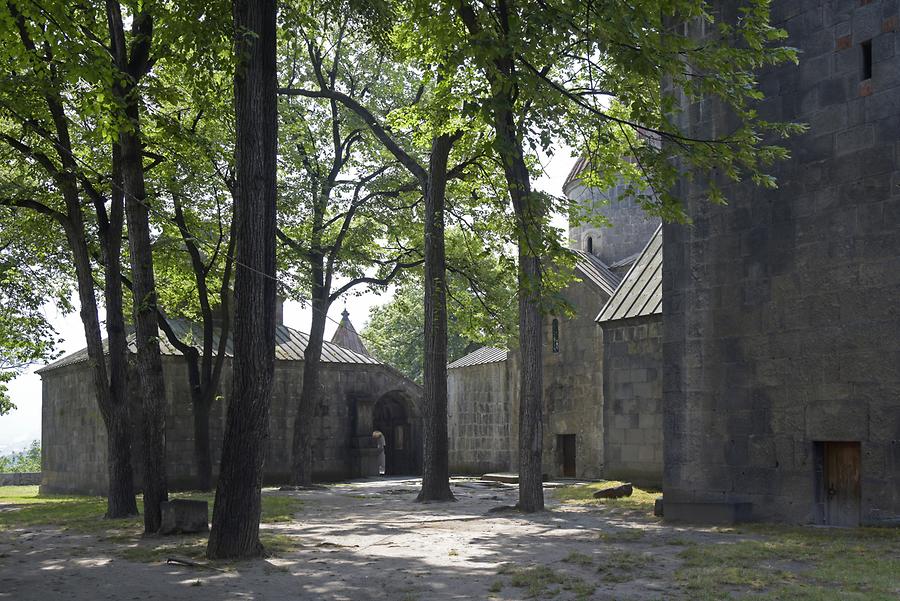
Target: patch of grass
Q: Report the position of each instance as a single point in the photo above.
(623, 566)
(542, 582)
(583, 494)
(278, 508)
(158, 550)
(81, 513)
(580, 559)
(810, 564)
(496, 586)
(85, 514)
(630, 535)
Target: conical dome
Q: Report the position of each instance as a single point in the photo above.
(346, 335)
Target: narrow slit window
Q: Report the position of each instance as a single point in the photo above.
(590, 245)
(555, 335)
(866, 59)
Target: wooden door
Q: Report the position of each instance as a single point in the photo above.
(842, 487)
(566, 444)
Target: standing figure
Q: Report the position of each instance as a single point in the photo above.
(379, 442)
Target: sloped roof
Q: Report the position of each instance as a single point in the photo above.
(346, 335)
(640, 292)
(596, 271)
(485, 354)
(575, 172)
(290, 345)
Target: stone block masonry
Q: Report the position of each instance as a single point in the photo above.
(781, 346)
(632, 393)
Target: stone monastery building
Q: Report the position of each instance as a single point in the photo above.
(747, 364)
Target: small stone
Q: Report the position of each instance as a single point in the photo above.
(615, 492)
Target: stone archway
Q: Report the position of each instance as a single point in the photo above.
(391, 417)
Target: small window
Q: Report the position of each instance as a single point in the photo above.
(866, 59)
(555, 335)
(590, 245)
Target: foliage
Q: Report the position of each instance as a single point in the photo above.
(394, 333)
(32, 273)
(28, 460)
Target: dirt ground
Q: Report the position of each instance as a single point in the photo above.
(369, 540)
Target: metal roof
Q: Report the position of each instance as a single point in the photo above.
(290, 345)
(485, 354)
(640, 292)
(625, 262)
(596, 271)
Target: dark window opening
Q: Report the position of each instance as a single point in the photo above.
(866, 59)
(590, 245)
(555, 335)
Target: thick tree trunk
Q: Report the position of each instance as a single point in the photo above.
(529, 223)
(302, 464)
(529, 217)
(236, 514)
(120, 494)
(436, 469)
(202, 450)
(148, 361)
(119, 428)
(132, 66)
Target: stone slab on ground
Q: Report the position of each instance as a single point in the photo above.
(505, 477)
(182, 516)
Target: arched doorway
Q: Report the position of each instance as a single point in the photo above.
(391, 419)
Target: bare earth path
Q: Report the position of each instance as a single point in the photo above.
(368, 540)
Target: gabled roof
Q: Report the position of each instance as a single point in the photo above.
(346, 336)
(290, 345)
(640, 292)
(485, 354)
(596, 271)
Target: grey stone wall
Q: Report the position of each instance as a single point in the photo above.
(632, 392)
(20, 478)
(781, 318)
(631, 227)
(74, 437)
(479, 419)
(573, 383)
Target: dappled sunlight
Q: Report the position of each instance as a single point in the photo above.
(370, 540)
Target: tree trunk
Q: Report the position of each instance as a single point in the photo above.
(201, 400)
(236, 513)
(202, 450)
(120, 497)
(302, 465)
(120, 493)
(149, 362)
(436, 469)
(529, 217)
(119, 428)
